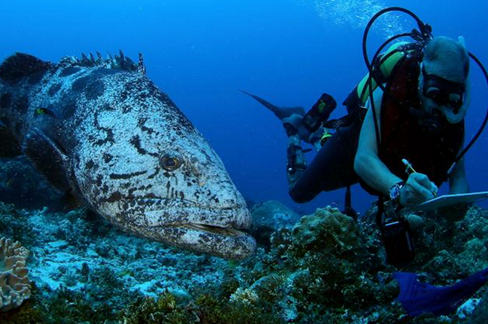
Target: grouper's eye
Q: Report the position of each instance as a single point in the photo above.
(171, 161)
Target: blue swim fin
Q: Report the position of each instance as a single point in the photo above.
(280, 112)
(418, 298)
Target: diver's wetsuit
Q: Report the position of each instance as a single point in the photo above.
(402, 134)
(333, 166)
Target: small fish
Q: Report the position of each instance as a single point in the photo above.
(10, 180)
(44, 111)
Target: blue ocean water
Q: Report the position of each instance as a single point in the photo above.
(288, 51)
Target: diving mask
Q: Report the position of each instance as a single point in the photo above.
(442, 91)
(448, 95)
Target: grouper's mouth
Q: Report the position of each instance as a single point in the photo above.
(227, 243)
(219, 231)
(215, 229)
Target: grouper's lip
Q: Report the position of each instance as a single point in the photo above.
(215, 230)
(210, 229)
(221, 242)
(231, 220)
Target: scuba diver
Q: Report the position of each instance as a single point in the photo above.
(419, 119)
(429, 134)
(402, 137)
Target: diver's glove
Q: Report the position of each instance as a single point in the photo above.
(418, 297)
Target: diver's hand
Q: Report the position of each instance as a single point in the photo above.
(417, 189)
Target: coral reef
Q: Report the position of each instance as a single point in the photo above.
(14, 283)
(268, 217)
(14, 224)
(324, 268)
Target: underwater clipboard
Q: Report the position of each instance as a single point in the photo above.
(448, 200)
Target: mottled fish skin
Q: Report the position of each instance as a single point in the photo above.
(113, 129)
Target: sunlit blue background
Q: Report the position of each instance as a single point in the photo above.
(201, 52)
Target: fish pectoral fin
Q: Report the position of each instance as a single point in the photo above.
(9, 146)
(48, 158)
(21, 65)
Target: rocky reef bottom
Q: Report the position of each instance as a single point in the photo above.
(319, 268)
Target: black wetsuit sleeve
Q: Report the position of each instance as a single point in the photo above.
(333, 166)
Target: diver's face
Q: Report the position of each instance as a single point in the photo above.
(441, 96)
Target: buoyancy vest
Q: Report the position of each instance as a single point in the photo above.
(381, 71)
(404, 137)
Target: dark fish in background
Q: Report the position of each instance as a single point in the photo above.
(10, 180)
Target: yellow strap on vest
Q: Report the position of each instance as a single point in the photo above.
(386, 67)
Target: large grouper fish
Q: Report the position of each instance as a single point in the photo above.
(99, 129)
